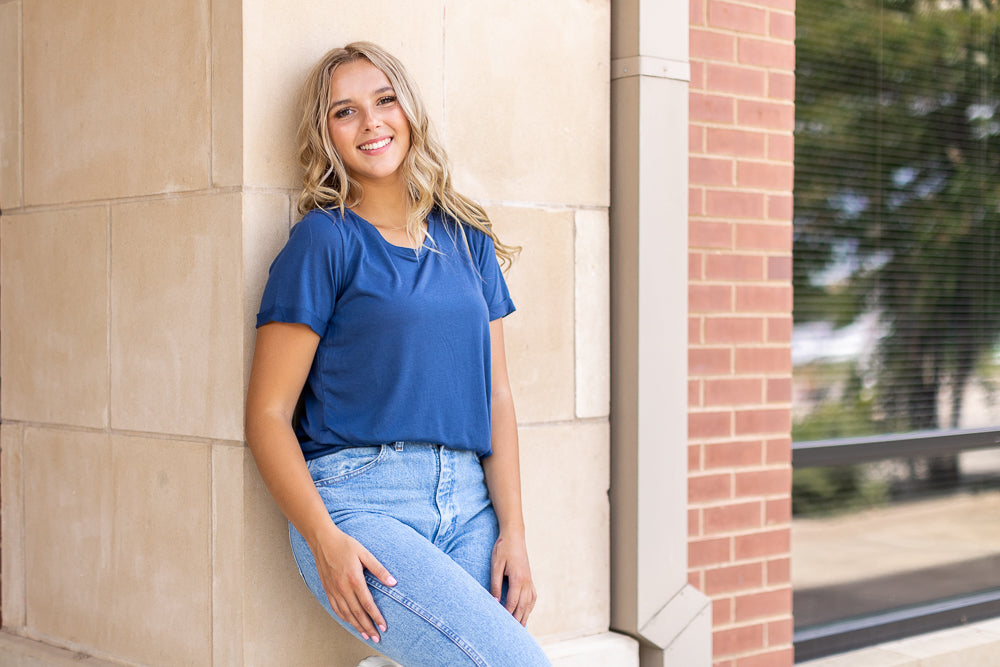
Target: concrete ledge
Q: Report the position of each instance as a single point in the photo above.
(973, 645)
(21, 652)
(608, 649)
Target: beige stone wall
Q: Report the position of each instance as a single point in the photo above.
(147, 178)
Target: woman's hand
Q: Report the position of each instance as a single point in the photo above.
(341, 562)
(510, 559)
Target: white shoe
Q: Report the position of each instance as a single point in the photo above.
(377, 661)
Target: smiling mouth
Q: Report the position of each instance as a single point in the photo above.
(375, 145)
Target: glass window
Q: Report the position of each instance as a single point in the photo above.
(897, 299)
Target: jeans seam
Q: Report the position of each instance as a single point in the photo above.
(336, 479)
(429, 617)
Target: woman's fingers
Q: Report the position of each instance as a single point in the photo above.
(525, 603)
(376, 568)
(347, 588)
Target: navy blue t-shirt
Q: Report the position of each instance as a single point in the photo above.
(404, 351)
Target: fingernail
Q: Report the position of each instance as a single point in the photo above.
(392, 581)
(382, 628)
(375, 638)
(365, 635)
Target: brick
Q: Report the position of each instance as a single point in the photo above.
(764, 175)
(779, 207)
(711, 45)
(739, 18)
(696, 12)
(731, 518)
(781, 26)
(710, 361)
(737, 142)
(733, 391)
(696, 199)
(694, 331)
(779, 330)
(709, 488)
(781, 86)
(786, 6)
(694, 393)
(763, 605)
(771, 360)
(712, 551)
(761, 545)
(779, 571)
(696, 264)
(710, 298)
(733, 578)
(780, 146)
(766, 53)
(737, 640)
(763, 420)
(779, 390)
(696, 139)
(709, 424)
(694, 522)
(724, 663)
(764, 298)
(784, 657)
(778, 450)
(710, 171)
(733, 454)
(734, 204)
(778, 512)
(707, 108)
(695, 579)
(704, 234)
(779, 268)
(754, 236)
(741, 81)
(780, 632)
(694, 457)
(771, 115)
(734, 330)
(697, 76)
(734, 267)
(722, 611)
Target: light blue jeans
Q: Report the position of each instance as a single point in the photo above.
(423, 511)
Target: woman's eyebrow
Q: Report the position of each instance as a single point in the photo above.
(381, 90)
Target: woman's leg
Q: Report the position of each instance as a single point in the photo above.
(437, 614)
(411, 505)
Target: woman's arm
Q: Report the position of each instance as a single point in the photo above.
(281, 361)
(503, 479)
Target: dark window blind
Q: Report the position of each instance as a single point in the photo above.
(897, 217)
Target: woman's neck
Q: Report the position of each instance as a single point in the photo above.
(384, 206)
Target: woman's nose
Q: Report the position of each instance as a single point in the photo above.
(371, 119)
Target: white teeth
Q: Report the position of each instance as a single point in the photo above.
(375, 144)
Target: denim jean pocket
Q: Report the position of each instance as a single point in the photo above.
(344, 464)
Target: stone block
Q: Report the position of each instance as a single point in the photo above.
(146, 129)
(176, 317)
(54, 338)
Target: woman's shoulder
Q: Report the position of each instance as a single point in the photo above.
(324, 226)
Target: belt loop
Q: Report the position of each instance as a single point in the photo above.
(399, 446)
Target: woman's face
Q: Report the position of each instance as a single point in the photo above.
(366, 123)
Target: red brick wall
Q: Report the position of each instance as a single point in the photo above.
(741, 152)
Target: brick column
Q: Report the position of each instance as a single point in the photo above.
(740, 303)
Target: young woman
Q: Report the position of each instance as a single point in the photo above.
(379, 410)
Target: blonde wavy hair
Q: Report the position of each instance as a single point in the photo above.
(325, 181)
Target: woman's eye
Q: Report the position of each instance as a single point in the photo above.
(342, 113)
(388, 99)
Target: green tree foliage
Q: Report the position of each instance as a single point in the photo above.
(897, 189)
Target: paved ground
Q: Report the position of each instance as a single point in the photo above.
(894, 556)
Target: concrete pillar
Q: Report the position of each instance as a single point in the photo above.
(651, 599)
